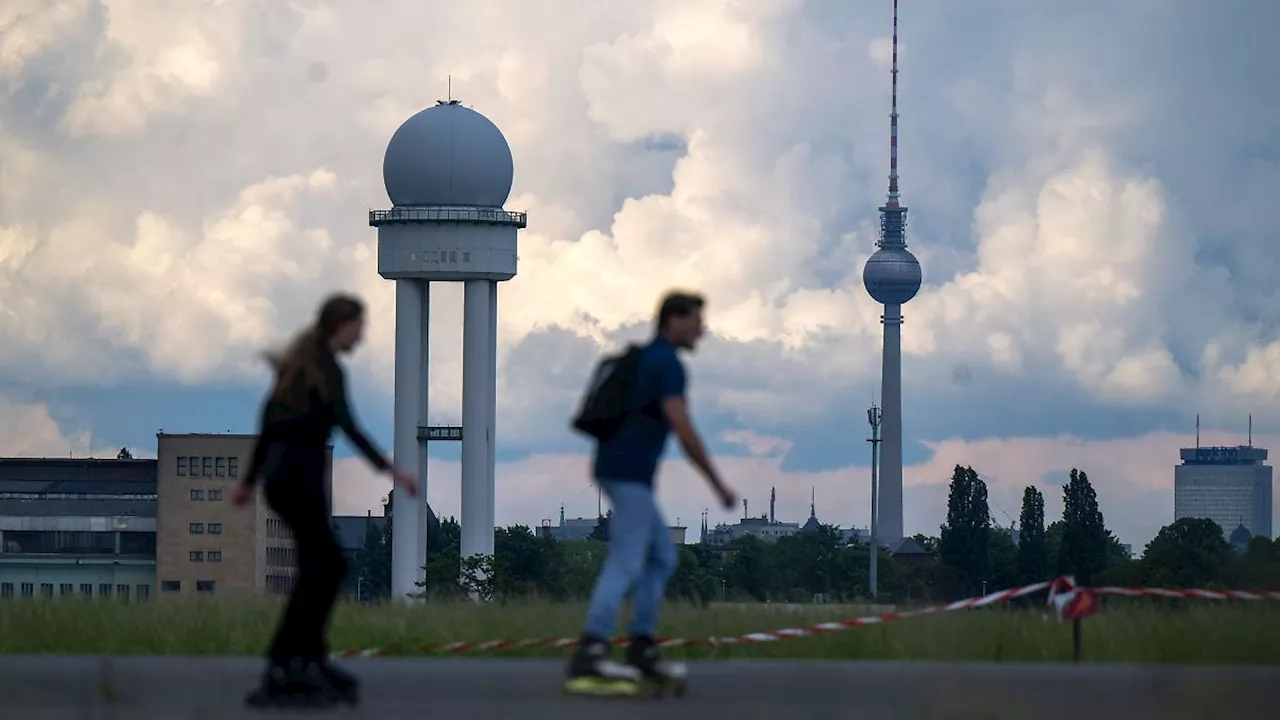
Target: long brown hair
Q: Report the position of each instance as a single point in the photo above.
(298, 367)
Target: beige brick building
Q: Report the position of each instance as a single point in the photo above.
(204, 544)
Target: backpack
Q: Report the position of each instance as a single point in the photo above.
(604, 405)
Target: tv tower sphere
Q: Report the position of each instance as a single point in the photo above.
(892, 276)
(448, 155)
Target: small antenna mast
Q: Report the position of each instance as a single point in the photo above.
(449, 86)
(1197, 431)
(1250, 429)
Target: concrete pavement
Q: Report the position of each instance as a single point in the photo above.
(205, 688)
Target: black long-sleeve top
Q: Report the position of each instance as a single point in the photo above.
(313, 424)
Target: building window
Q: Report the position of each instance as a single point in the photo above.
(28, 589)
(206, 466)
(193, 466)
(215, 528)
(104, 590)
(215, 494)
(6, 590)
(86, 589)
(279, 584)
(221, 466)
(122, 592)
(215, 556)
(170, 586)
(196, 528)
(233, 467)
(46, 589)
(204, 586)
(66, 589)
(142, 592)
(182, 465)
(195, 556)
(197, 494)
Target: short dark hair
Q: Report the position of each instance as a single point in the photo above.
(678, 304)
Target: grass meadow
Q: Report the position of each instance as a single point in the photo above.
(1187, 632)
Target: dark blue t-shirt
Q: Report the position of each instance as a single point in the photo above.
(633, 453)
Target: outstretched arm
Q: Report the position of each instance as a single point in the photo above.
(671, 396)
(345, 419)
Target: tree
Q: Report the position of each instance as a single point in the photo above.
(371, 570)
(929, 544)
(965, 537)
(1083, 552)
(1259, 568)
(478, 578)
(1187, 553)
(807, 565)
(442, 574)
(749, 568)
(1002, 561)
(601, 530)
(124, 454)
(1033, 557)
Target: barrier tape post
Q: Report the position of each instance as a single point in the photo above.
(1073, 603)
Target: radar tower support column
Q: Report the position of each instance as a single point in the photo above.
(410, 394)
(477, 431)
(424, 415)
(491, 494)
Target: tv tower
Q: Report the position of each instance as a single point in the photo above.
(892, 277)
(447, 170)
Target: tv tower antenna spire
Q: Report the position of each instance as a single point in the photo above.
(893, 118)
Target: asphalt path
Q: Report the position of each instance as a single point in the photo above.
(174, 688)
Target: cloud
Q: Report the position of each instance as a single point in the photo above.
(179, 187)
(27, 430)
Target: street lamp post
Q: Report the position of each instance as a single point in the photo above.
(873, 418)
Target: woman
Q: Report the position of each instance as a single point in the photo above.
(307, 401)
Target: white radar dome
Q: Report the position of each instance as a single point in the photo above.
(448, 155)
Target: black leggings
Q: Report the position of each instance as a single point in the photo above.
(295, 491)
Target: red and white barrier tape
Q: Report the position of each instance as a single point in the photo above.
(1067, 601)
(1198, 593)
(715, 642)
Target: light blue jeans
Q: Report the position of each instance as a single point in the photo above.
(640, 560)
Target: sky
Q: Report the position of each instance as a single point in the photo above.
(1088, 188)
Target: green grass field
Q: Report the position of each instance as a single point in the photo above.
(1125, 631)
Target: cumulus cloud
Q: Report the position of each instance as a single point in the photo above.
(27, 430)
(179, 186)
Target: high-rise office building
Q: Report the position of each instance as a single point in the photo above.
(1229, 485)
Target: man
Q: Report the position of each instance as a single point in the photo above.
(641, 556)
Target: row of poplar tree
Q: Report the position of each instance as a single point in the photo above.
(971, 554)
